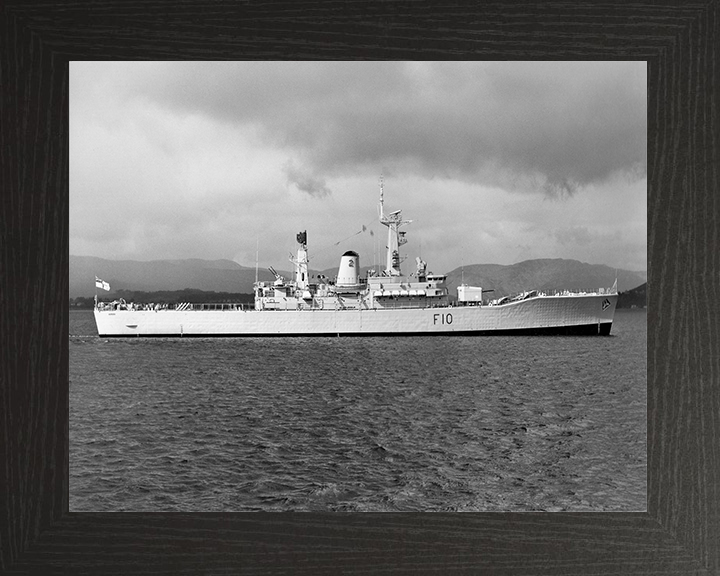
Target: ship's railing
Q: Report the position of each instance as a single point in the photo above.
(596, 292)
(552, 293)
(221, 306)
(179, 306)
(399, 304)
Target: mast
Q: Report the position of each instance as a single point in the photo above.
(382, 201)
(301, 262)
(396, 238)
(257, 254)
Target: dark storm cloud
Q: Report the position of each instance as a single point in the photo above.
(305, 181)
(551, 128)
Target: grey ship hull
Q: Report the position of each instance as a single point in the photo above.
(590, 314)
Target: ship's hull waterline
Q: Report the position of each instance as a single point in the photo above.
(590, 314)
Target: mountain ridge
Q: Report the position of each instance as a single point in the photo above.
(229, 276)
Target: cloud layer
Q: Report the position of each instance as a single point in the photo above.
(494, 162)
(530, 126)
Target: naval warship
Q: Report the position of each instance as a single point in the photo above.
(380, 303)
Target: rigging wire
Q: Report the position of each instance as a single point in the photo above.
(365, 228)
(351, 235)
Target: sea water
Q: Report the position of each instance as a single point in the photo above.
(483, 423)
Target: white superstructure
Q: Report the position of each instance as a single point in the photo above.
(380, 303)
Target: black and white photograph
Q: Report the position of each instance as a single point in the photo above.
(358, 286)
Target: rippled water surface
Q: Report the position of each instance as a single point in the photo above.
(359, 424)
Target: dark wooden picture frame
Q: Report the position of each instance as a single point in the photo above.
(679, 533)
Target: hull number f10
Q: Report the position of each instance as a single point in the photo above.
(442, 319)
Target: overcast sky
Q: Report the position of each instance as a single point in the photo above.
(494, 162)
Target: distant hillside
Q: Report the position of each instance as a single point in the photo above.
(154, 275)
(642, 274)
(544, 274)
(228, 276)
(635, 298)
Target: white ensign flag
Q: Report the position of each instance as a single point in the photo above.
(101, 284)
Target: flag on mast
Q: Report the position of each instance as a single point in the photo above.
(101, 284)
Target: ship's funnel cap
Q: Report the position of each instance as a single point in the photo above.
(348, 273)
